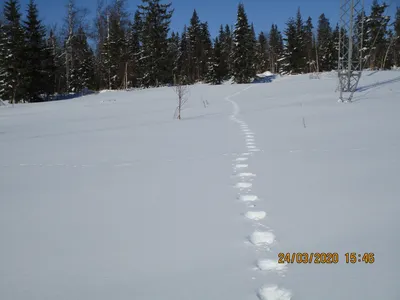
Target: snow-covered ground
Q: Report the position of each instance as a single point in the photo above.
(107, 197)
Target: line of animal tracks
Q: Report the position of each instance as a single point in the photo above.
(261, 238)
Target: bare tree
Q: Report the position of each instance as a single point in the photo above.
(182, 91)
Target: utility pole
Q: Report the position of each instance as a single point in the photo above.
(350, 48)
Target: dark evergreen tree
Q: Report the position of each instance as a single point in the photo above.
(262, 53)
(335, 49)
(377, 34)
(217, 65)
(225, 40)
(184, 58)
(243, 50)
(300, 51)
(275, 49)
(135, 69)
(36, 56)
(396, 47)
(227, 48)
(253, 49)
(3, 56)
(11, 80)
(156, 20)
(308, 42)
(289, 62)
(53, 65)
(325, 44)
(194, 33)
(82, 75)
(206, 49)
(173, 59)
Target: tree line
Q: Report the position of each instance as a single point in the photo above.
(119, 50)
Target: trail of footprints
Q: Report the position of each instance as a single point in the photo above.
(262, 238)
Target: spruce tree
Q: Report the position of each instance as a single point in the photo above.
(156, 20)
(52, 64)
(262, 53)
(289, 57)
(82, 75)
(12, 84)
(253, 49)
(377, 33)
(3, 51)
(217, 65)
(300, 52)
(325, 44)
(275, 49)
(225, 40)
(206, 49)
(227, 48)
(308, 41)
(184, 58)
(194, 33)
(36, 55)
(243, 49)
(173, 56)
(396, 54)
(133, 39)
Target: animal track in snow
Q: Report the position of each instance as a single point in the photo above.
(242, 158)
(255, 215)
(270, 265)
(241, 166)
(274, 293)
(243, 185)
(262, 238)
(246, 175)
(248, 198)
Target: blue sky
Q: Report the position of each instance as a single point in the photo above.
(261, 12)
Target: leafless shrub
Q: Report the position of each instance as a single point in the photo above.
(182, 91)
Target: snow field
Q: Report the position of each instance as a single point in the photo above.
(260, 239)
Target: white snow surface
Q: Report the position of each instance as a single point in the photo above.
(108, 197)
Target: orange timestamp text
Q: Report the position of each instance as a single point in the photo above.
(308, 258)
(324, 258)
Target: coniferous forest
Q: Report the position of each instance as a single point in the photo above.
(120, 49)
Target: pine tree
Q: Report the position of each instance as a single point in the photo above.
(289, 58)
(206, 49)
(275, 49)
(35, 75)
(52, 65)
(115, 48)
(173, 56)
(133, 39)
(227, 48)
(156, 21)
(377, 34)
(13, 53)
(184, 58)
(335, 49)
(396, 47)
(253, 49)
(3, 55)
(300, 51)
(325, 44)
(243, 50)
(308, 41)
(262, 53)
(194, 33)
(82, 75)
(225, 40)
(217, 65)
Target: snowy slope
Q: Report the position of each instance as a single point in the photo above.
(108, 197)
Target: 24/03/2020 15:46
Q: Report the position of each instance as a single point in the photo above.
(324, 258)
